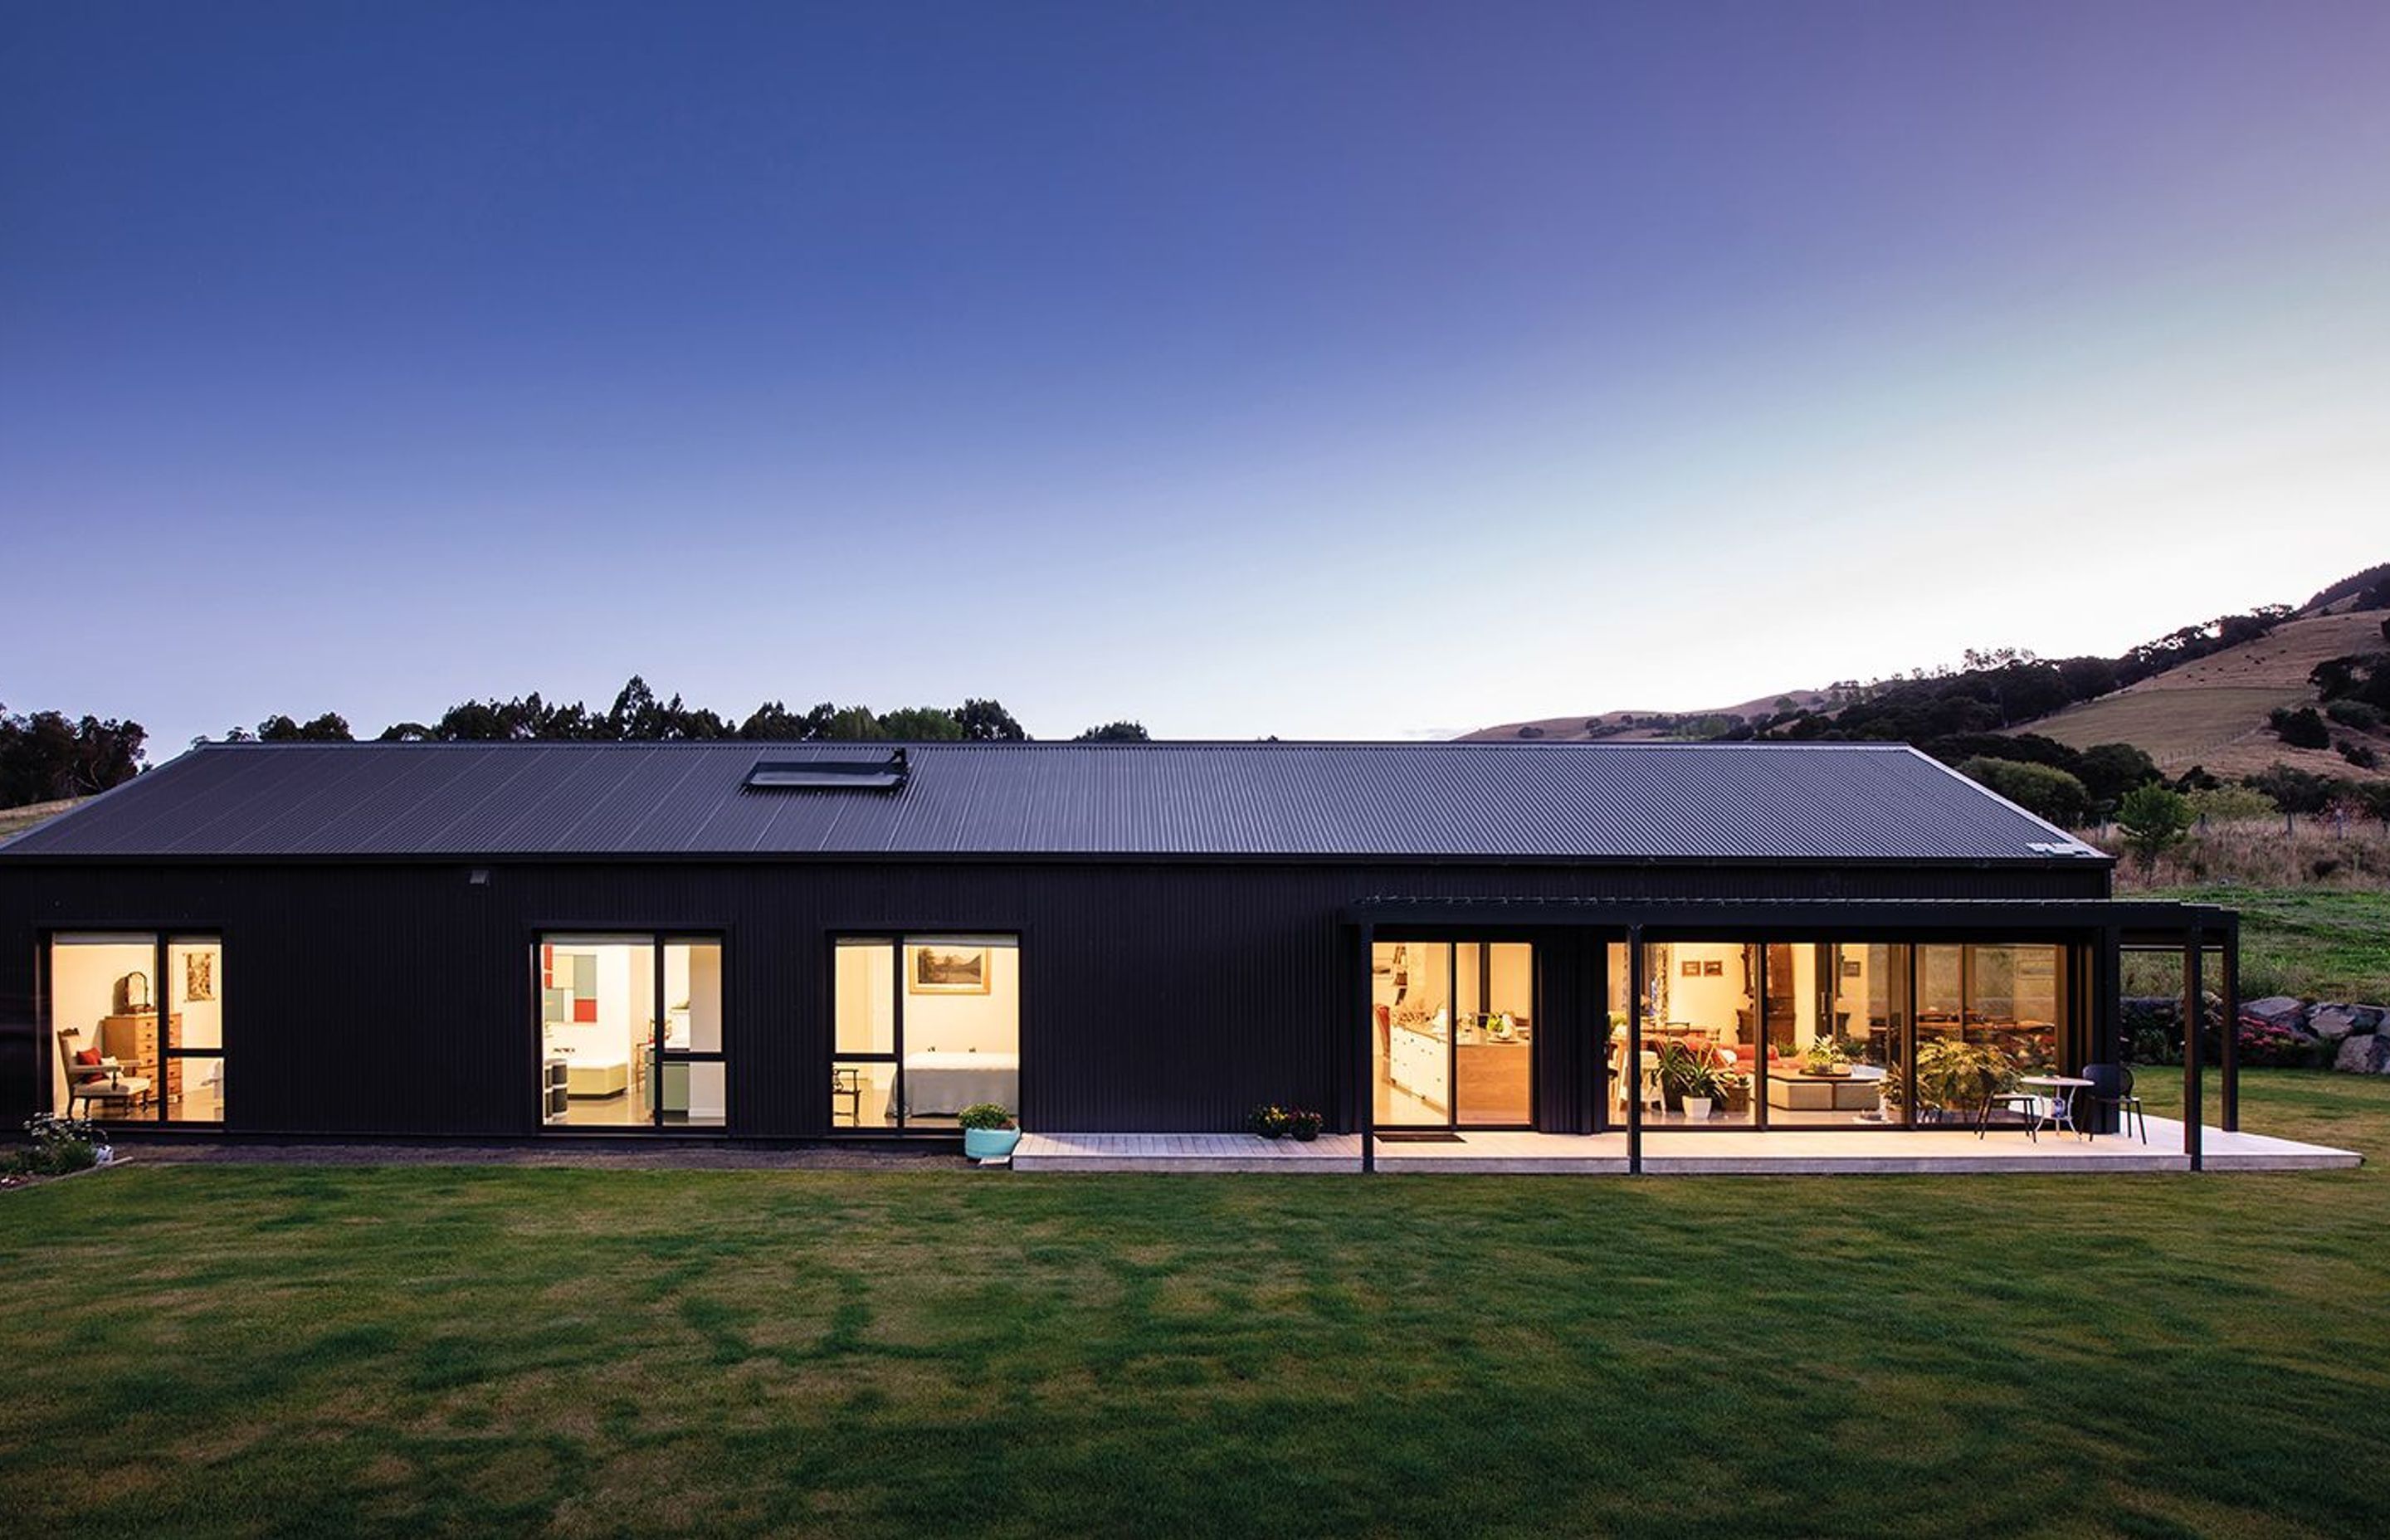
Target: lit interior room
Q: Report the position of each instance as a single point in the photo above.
(1453, 1034)
(139, 1022)
(924, 1028)
(1830, 1024)
(611, 1059)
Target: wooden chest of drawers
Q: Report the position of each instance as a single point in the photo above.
(132, 1040)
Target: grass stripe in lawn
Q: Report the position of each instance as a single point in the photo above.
(284, 1351)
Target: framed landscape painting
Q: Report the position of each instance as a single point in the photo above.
(948, 971)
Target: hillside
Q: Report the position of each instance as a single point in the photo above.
(2212, 712)
(1630, 726)
(2201, 696)
(17, 820)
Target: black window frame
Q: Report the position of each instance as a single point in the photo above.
(1453, 940)
(660, 1056)
(896, 941)
(162, 940)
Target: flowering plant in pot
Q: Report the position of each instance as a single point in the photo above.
(1300, 1125)
(989, 1132)
(1270, 1121)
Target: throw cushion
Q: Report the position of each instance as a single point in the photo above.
(86, 1055)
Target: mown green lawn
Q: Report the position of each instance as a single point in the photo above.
(428, 1350)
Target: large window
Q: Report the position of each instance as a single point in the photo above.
(137, 1023)
(631, 1032)
(1795, 1034)
(1453, 1027)
(921, 1028)
(1985, 1015)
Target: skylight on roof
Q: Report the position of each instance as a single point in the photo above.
(880, 773)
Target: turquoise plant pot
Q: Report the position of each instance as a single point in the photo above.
(990, 1144)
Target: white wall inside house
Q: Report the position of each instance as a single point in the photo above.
(967, 1023)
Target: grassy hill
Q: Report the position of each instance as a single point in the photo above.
(17, 820)
(1630, 726)
(2201, 696)
(2212, 712)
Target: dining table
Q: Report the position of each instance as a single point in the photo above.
(2054, 1106)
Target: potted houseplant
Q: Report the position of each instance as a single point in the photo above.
(989, 1132)
(1270, 1121)
(1826, 1057)
(1953, 1077)
(1301, 1126)
(1690, 1079)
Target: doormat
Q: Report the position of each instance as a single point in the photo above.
(1419, 1139)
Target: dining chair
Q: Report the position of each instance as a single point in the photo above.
(2111, 1085)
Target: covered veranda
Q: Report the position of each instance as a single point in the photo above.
(1584, 1126)
(1586, 939)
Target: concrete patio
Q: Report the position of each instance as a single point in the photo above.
(1806, 1152)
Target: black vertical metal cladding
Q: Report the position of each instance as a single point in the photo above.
(1188, 938)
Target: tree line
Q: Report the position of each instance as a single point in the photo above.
(639, 715)
(48, 756)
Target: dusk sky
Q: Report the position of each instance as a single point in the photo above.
(1329, 371)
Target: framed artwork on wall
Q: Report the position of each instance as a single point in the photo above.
(948, 971)
(1690, 969)
(1712, 970)
(199, 975)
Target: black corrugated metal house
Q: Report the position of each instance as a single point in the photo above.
(822, 940)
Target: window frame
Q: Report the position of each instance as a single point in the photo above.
(897, 941)
(162, 940)
(655, 940)
(1453, 940)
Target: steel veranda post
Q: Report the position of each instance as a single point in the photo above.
(1631, 1071)
(2230, 963)
(1365, 1106)
(2191, 1032)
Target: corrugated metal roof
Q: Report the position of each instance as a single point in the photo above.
(1588, 801)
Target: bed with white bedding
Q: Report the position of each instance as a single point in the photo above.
(940, 1084)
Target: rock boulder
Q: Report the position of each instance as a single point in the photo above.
(2276, 1010)
(2367, 1054)
(2332, 1021)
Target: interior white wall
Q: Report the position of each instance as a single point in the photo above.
(1706, 1002)
(1805, 995)
(865, 995)
(1514, 979)
(969, 1024)
(693, 978)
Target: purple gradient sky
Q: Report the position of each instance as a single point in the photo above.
(1321, 371)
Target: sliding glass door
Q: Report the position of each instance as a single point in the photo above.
(1452, 1028)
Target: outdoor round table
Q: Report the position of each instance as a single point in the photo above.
(2056, 1111)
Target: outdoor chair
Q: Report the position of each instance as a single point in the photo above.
(102, 1082)
(2111, 1085)
(1995, 1097)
